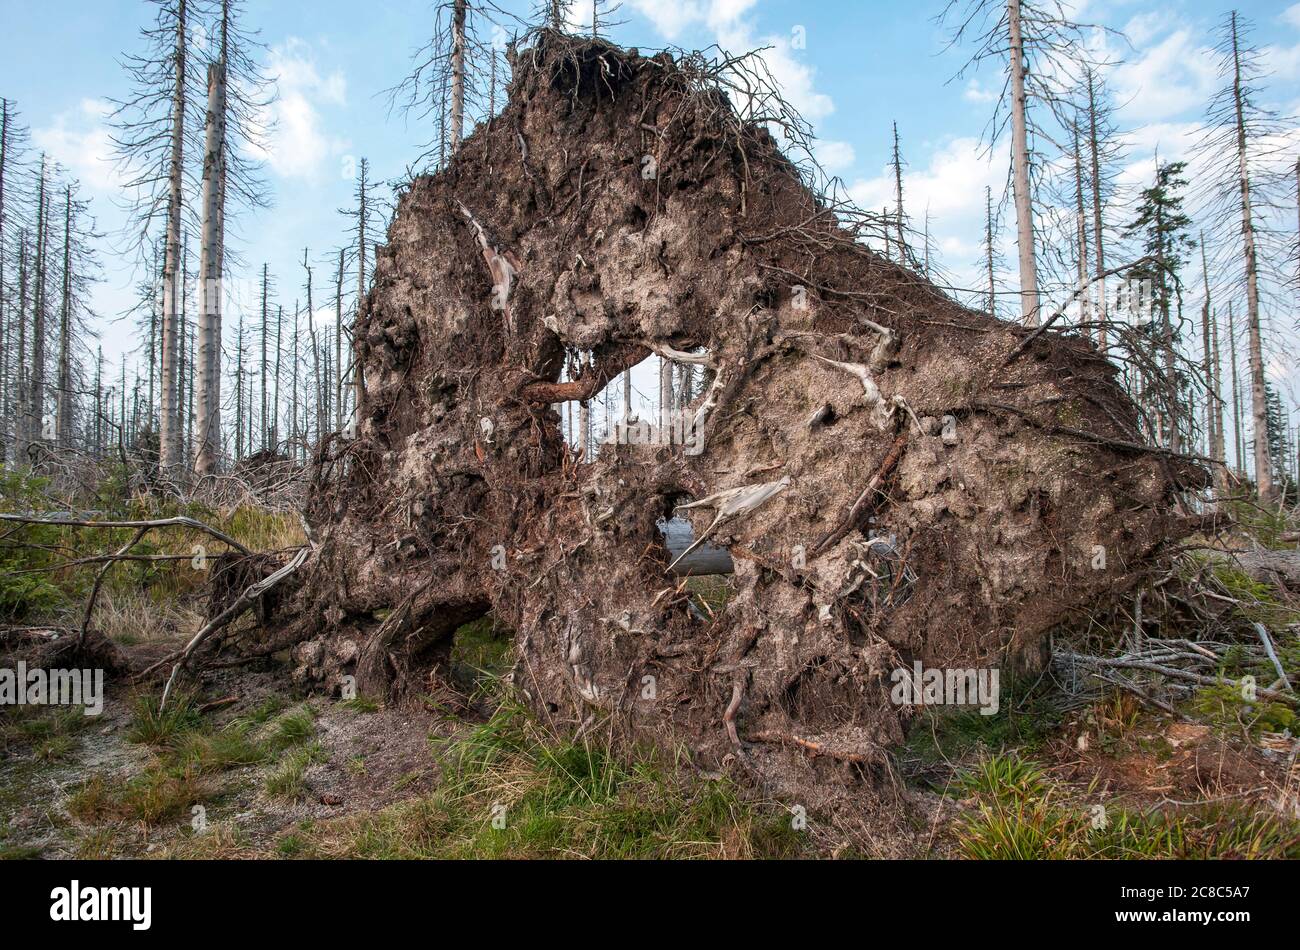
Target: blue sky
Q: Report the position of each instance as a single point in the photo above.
(863, 65)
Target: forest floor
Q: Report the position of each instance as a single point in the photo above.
(247, 771)
(244, 767)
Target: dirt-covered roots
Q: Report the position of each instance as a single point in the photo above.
(892, 489)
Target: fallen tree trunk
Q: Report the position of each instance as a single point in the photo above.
(1281, 568)
(896, 487)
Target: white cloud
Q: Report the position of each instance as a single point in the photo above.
(1291, 15)
(1282, 62)
(974, 92)
(951, 186)
(79, 140)
(725, 20)
(1145, 27)
(299, 146)
(835, 157)
(670, 17)
(1167, 80)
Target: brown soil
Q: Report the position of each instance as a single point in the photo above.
(545, 237)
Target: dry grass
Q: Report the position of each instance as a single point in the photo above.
(131, 617)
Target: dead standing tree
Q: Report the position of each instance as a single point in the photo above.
(1237, 134)
(151, 136)
(1041, 46)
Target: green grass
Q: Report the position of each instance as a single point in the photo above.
(49, 731)
(481, 652)
(360, 704)
(208, 752)
(1023, 815)
(153, 797)
(294, 727)
(1024, 720)
(561, 798)
(287, 780)
(712, 591)
(188, 754)
(159, 727)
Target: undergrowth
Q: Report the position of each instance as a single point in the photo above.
(511, 790)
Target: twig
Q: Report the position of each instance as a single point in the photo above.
(1272, 654)
(242, 603)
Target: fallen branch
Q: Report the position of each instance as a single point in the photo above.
(177, 522)
(1272, 654)
(815, 748)
(1175, 674)
(241, 604)
(855, 514)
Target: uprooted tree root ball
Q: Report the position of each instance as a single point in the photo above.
(897, 477)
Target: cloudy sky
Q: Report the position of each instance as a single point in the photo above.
(852, 67)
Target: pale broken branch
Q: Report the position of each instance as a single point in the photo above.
(681, 356)
(177, 522)
(732, 503)
(242, 603)
(501, 268)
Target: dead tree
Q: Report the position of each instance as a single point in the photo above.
(1235, 125)
(211, 255)
(150, 138)
(1041, 47)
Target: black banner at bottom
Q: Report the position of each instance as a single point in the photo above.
(334, 899)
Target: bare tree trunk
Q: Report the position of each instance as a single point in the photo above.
(1238, 442)
(293, 421)
(898, 198)
(1081, 229)
(665, 394)
(262, 429)
(1170, 411)
(239, 389)
(22, 436)
(1098, 241)
(99, 403)
(36, 410)
(988, 248)
(210, 256)
(279, 356)
(358, 375)
(1259, 406)
(338, 347)
(184, 368)
(5, 330)
(1213, 407)
(319, 382)
(63, 416)
(1020, 171)
(457, 73)
(584, 425)
(169, 428)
